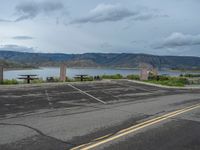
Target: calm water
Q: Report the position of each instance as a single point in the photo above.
(71, 72)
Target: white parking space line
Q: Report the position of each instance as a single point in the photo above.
(87, 94)
(48, 98)
(135, 87)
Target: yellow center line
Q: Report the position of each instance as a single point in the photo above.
(134, 128)
(103, 137)
(154, 119)
(79, 147)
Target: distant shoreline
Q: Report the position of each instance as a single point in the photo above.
(185, 71)
(120, 68)
(13, 69)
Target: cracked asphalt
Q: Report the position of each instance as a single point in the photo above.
(58, 117)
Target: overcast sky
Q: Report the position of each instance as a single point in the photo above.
(170, 27)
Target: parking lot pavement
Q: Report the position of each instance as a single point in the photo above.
(28, 99)
(32, 98)
(57, 115)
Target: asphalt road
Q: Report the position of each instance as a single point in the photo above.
(178, 133)
(60, 117)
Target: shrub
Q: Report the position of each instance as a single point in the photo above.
(170, 81)
(9, 82)
(133, 77)
(71, 80)
(163, 78)
(56, 79)
(116, 76)
(89, 78)
(38, 81)
(191, 75)
(152, 77)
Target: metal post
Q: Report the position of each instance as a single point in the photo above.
(1, 74)
(28, 79)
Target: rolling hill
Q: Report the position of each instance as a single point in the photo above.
(120, 60)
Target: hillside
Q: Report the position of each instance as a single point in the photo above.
(123, 60)
(14, 65)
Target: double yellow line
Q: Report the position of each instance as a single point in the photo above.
(107, 138)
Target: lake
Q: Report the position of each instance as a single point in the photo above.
(71, 72)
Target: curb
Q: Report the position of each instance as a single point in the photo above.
(161, 86)
(50, 84)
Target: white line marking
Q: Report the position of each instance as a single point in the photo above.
(87, 94)
(134, 87)
(47, 95)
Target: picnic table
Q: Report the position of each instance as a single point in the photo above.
(81, 76)
(28, 77)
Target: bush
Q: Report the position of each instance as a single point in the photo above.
(38, 81)
(56, 79)
(89, 78)
(70, 80)
(133, 77)
(9, 82)
(191, 75)
(163, 78)
(116, 76)
(152, 77)
(170, 81)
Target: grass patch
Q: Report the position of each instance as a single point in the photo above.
(36, 81)
(116, 76)
(133, 77)
(10, 82)
(169, 81)
(163, 80)
(89, 78)
(190, 75)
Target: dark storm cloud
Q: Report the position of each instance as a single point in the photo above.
(22, 38)
(13, 47)
(111, 13)
(29, 10)
(179, 39)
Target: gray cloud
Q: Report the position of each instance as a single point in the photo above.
(104, 13)
(29, 10)
(111, 13)
(22, 38)
(179, 39)
(105, 45)
(5, 20)
(12, 47)
(146, 16)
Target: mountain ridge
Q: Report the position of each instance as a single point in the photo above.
(120, 60)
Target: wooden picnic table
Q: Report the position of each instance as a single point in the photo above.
(28, 77)
(81, 76)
